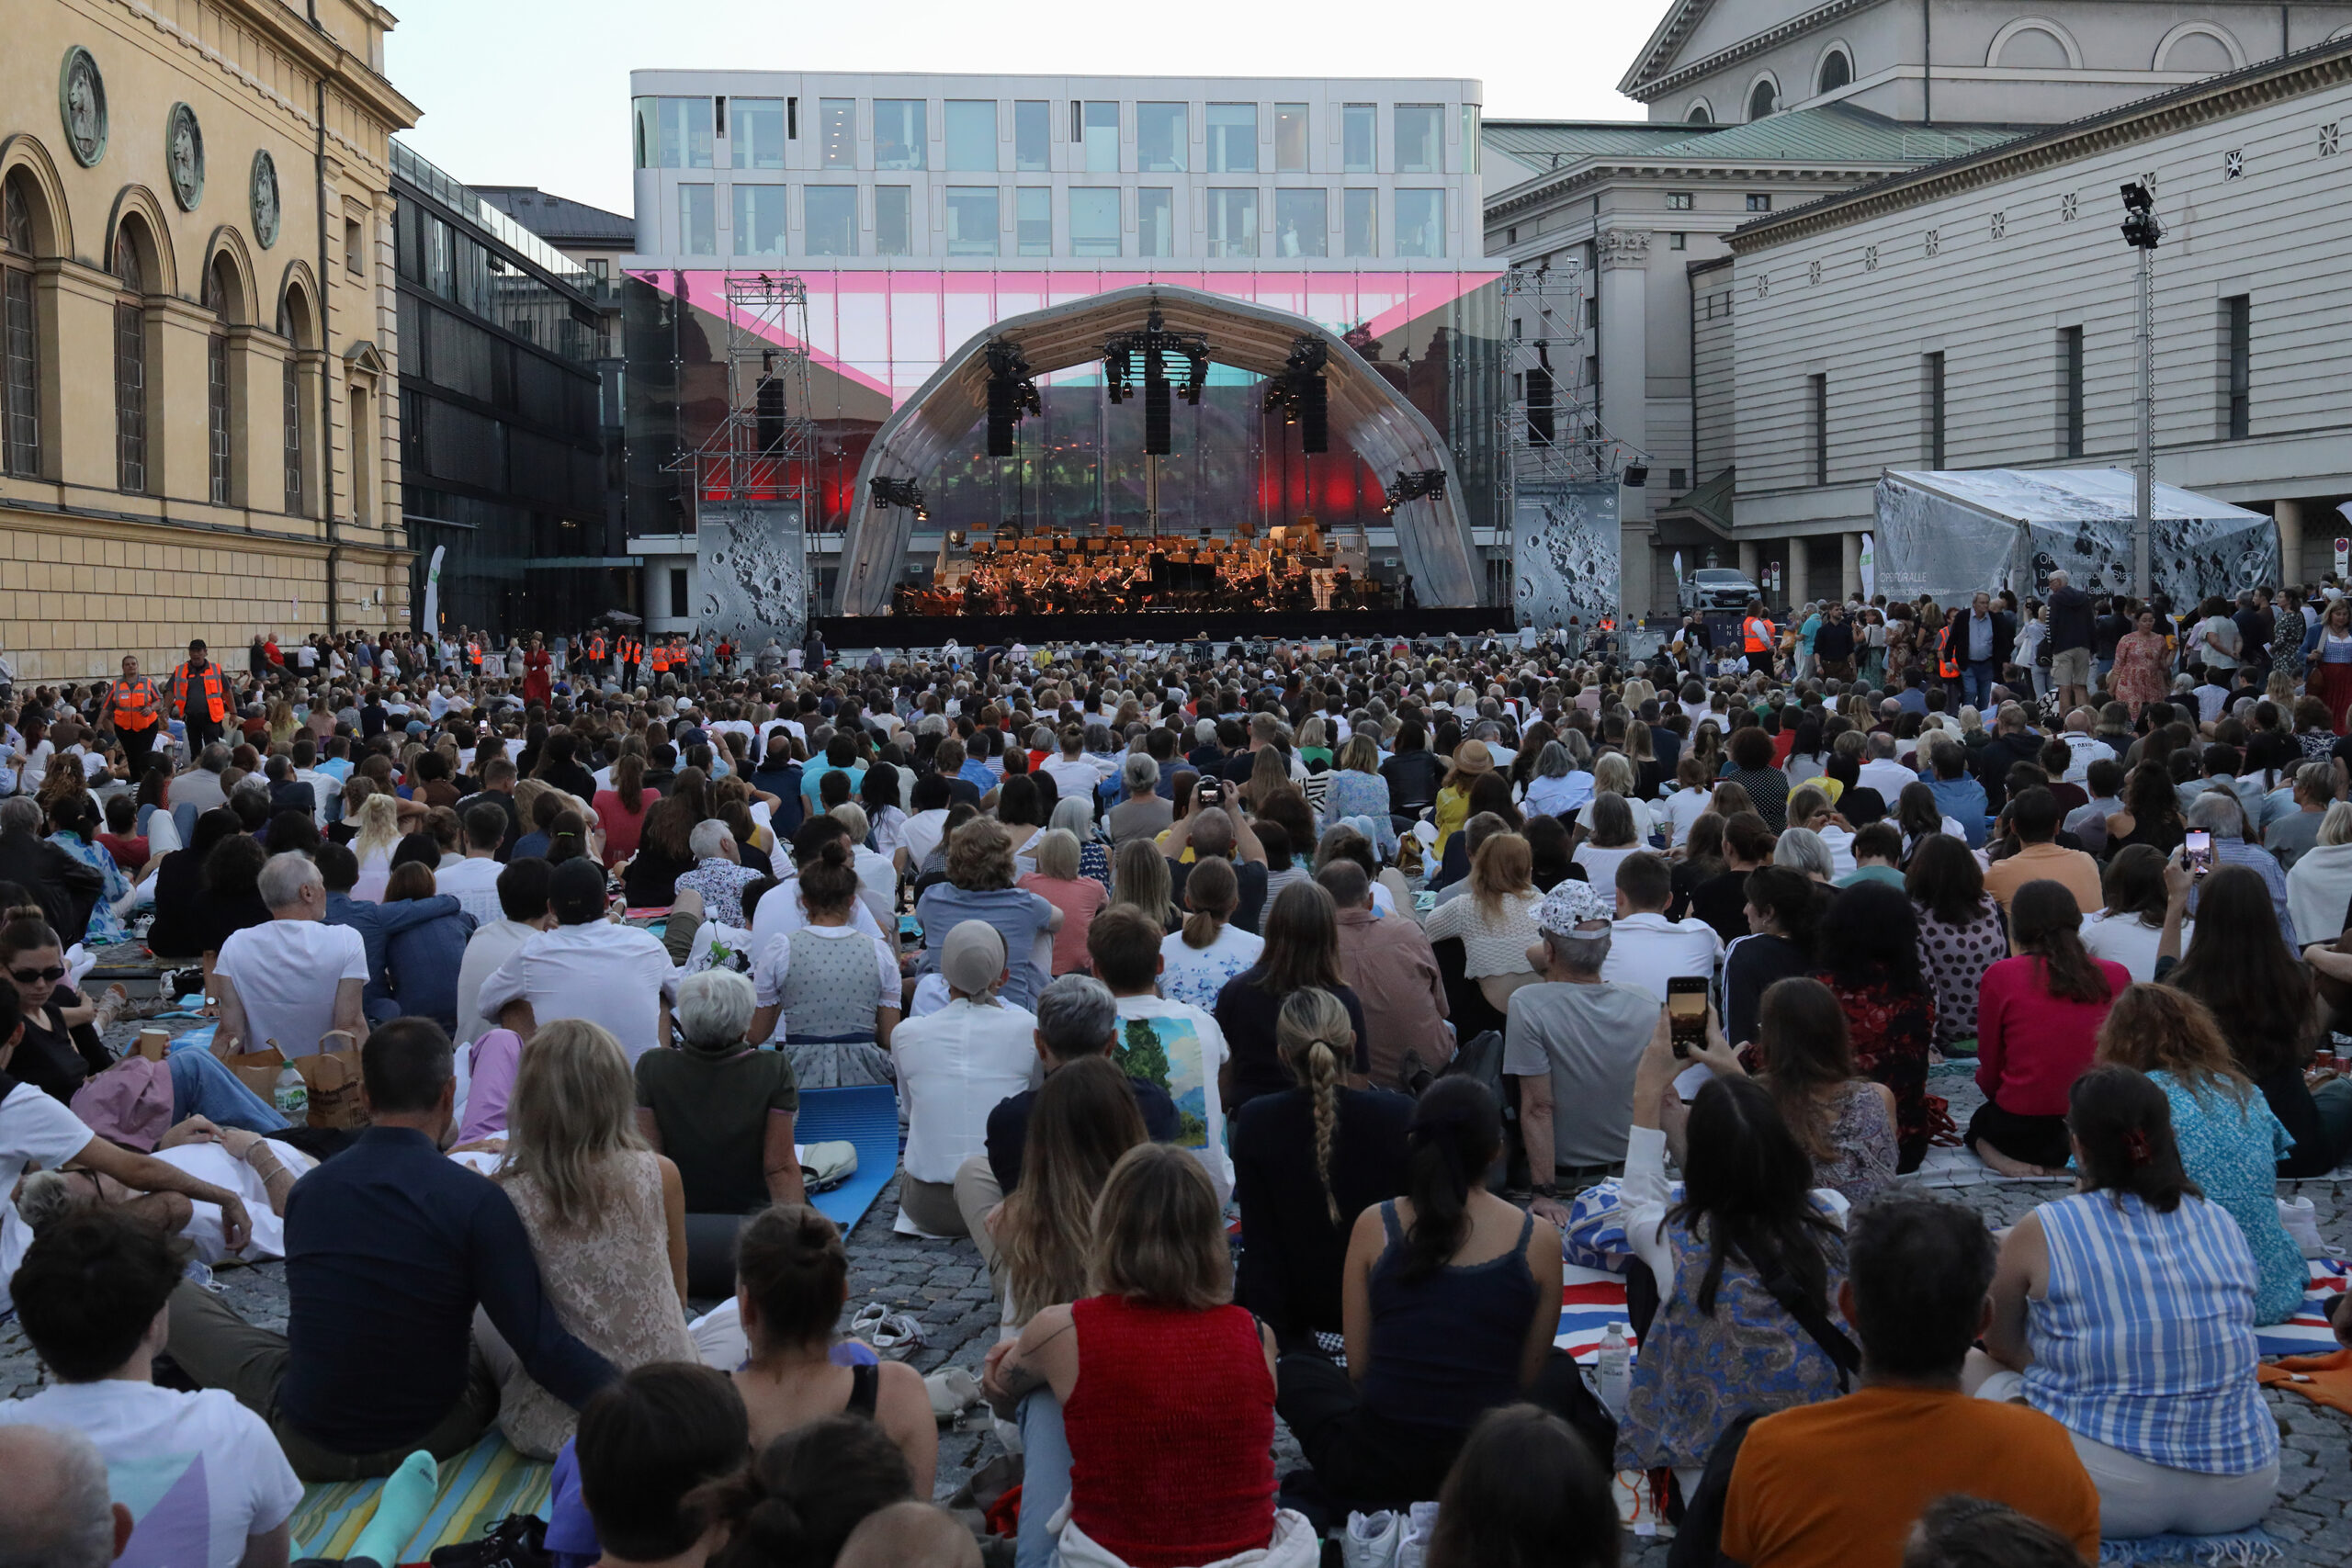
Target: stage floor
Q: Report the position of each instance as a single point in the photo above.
(1161, 627)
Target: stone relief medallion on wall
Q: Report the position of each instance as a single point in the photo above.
(81, 99)
(265, 210)
(183, 156)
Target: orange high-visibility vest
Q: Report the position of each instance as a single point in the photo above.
(596, 649)
(1946, 656)
(132, 703)
(1759, 635)
(659, 658)
(473, 654)
(215, 692)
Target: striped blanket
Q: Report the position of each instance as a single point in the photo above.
(479, 1488)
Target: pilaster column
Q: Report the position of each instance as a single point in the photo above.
(1850, 576)
(1623, 263)
(1797, 589)
(2289, 517)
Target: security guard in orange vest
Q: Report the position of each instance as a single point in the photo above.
(1757, 634)
(200, 691)
(135, 709)
(1948, 654)
(632, 652)
(596, 651)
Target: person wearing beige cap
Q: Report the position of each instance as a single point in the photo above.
(1472, 760)
(954, 1067)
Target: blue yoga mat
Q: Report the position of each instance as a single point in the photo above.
(867, 1116)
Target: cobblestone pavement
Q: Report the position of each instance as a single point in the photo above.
(944, 1285)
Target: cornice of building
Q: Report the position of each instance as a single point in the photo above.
(1677, 25)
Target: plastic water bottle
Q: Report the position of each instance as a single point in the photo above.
(1613, 1376)
(290, 1096)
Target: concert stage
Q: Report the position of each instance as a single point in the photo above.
(1241, 624)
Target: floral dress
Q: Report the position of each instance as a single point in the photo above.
(2138, 677)
(1863, 1137)
(1893, 1032)
(1955, 959)
(2230, 1148)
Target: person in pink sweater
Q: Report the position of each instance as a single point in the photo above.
(2038, 1016)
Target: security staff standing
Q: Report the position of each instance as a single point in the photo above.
(1755, 637)
(200, 691)
(135, 709)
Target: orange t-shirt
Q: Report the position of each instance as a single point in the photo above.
(1841, 1484)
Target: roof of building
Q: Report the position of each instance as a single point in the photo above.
(1533, 140)
(1837, 133)
(561, 220)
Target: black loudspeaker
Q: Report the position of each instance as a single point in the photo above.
(1004, 411)
(1157, 400)
(1314, 416)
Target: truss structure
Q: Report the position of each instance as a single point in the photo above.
(1552, 433)
(765, 449)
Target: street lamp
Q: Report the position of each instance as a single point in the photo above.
(2144, 233)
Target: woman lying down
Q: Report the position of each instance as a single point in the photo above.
(260, 1171)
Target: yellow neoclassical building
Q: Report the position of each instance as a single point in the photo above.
(199, 368)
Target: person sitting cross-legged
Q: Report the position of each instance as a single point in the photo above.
(389, 1247)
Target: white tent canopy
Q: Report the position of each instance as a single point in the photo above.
(1948, 534)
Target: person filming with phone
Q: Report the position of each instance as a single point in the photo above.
(1215, 829)
(2217, 838)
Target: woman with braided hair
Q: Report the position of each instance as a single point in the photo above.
(1305, 1163)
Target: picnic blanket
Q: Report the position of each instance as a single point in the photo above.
(867, 1116)
(2238, 1546)
(479, 1487)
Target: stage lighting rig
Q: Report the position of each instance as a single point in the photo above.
(1405, 487)
(1157, 345)
(889, 492)
(1011, 394)
(2142, 228)
(1301, 394)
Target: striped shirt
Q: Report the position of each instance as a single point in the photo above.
(2147, 1341)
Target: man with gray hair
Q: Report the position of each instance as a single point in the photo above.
(1881, 772)
(954, 1065)
(200, 787)
(56, 1509)
(1145, 813)
(2218, 812)
(66, 889)
(719, 874)
(2073, 624)
(1572, 1040)
(288, 981)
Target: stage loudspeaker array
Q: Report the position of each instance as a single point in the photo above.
(1004, 411)
(1314, 414)
(1156, 405)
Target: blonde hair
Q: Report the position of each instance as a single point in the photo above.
(2335, 827)
(1306, 1037)
(1212, 894)
(573, 1107)
(1058, 855)
(379, 825)
(1614, 774)
(1158, 1232)
(1504, 866)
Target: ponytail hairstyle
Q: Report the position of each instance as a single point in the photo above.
(800, 1498)
(567, 836)
(1457, 1131)
(1212, 892)
(1311, 1030)
(2122, 1127)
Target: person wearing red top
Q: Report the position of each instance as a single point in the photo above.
(621, 810)
(537, 686)
(2038, 1017)
(1167, 1388)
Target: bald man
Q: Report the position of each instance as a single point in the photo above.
(55, 1505)
(910, 1535)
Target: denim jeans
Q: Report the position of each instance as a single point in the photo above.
(203, 1086)
(1044, 1478)
(1977, 683)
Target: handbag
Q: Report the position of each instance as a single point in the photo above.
(826, 1166)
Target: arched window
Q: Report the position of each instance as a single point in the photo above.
(292, 397)
(1763, 99)
(130, 366)
(19, 335)
(1836, 71)
(216, 380)
(1699, 113)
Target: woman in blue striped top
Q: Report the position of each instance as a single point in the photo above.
(2126, 1312)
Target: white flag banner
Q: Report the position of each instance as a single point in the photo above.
(433, 591)
(1870, 569)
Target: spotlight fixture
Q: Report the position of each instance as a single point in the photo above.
(2142, 229)
(1637, 475)
(889, 492)
(1405, 487)
(1011, 394)
(1302, 396)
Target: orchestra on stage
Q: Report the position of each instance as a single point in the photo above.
(1014, 573)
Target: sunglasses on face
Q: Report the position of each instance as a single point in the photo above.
(37, 977)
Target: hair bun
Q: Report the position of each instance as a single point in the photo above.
(835, 852)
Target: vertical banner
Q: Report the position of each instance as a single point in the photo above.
(1870, 569)
(751, 572)
(432, 626)
(1567, 572)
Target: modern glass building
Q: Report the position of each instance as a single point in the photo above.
(920, 210)
(501, 416)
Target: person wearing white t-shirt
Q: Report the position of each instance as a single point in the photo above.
(204, 1478)
(294, 978)
(954, 1067)
(473, 880)
(616, 977)
(1075, 773)
(1646, 949)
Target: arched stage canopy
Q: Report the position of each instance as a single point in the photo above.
(1367, 412)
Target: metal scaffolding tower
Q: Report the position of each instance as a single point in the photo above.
(765, 449)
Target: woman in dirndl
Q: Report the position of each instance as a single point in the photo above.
(2330, 676)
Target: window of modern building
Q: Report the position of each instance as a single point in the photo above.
(971, 134)
(1233, 139)
(1096, 124)
(1420, 222)
(1162, 138)
(1760, 202)
(898, 134)
(674, 133)
(1302, 222)
(1420, 145)
(756, 133)
(1156, 221)
(698, 222)
(2070, 391)
(971, 221)
(19, 335)
(1836, 71)
(829, 219)
(1359, 222)
(1472, 137)
(837, 133)
(290, 412)
(130, 366)
(1359, 137)
(759, 220)
(355, 247)
(1931, 409)
(1032, 221)
(893, 220)
(1233, 218)
(216, 382)
(1094, 222)
(1290, 139)
(1763, 99)
(1033, 130)
(2237, 367)
(1817, 425)
(678, 595)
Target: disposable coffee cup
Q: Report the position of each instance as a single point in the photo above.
(154, 1043)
